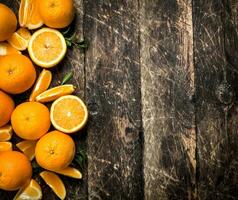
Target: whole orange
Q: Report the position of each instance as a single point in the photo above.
(55, 151)
(30, 120)
(15, 170)
(56, 13)
(17, 73)
(6, 108)
(8, 22)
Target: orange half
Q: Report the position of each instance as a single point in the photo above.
(28, 148)
(70, 172)
(5, 133)
(5, 146)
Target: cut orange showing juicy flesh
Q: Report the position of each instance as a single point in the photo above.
(42, 84)
(20, 39)
(69, 114)
(29, 15)
(28, 148)
(5, 133)
(55, 183)
(54, 93)
(5, 146)
(47, 47)
(70, 172)
(7, 49)
(31, 191)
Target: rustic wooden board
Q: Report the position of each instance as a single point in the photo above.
(215, 42)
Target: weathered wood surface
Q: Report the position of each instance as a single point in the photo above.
(160, 81)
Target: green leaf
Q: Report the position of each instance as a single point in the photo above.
(83, 45)
(67, 77)
(80, 157)
(66, 31)
(68, 43)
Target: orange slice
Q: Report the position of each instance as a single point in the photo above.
(28, 148)
(68, 114)
(54, 93)
(47, 47)
(42, 84)
(5, 133)
(20, 39)
(70, 172)
(23, 12)
(31, 191)
(5, 146)
(55, 183)
(7, 49)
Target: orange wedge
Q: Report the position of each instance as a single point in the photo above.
(5, 146)
(5, 133)
(20, 39)
(47, 47)
(70, 172)
(7, 49)
(55, 183)
(28, 148)
(31, 191)
(42, 84)
(29, 15)
(69, 114)
(54, 93)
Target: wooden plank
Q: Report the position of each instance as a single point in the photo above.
(167, 91)
(215, 49)
(113, 95)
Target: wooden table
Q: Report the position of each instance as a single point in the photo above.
(160, 81)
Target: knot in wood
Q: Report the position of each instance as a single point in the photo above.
(225, 93)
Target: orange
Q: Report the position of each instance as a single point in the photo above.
(68, 114)
(5, 146)
(55, 151)
(8, 22)
(17, 73)
(28, 148)
(70, 172)
(20, 39)
(47, 47)
(54, 93)
(15, 170)
(30, 120)
(7, 106)
(31, 191)
(57, 13)
(42, 84)
(5, 133)
(55, 183)
(7, 49)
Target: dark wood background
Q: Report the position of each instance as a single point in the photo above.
(160, 80)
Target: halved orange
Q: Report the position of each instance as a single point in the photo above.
(54, 93)
(20, 39)
(5, 133)
(47, 47)
(5, 146)
(70, 172)
(31, 191)
(28, 148)
(69, 114)
(55, 183)
(42, 84)
(7, 49)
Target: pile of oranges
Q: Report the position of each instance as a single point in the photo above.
(21, 51)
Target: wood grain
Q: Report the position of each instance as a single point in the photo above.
(167, 75)
(113, 96)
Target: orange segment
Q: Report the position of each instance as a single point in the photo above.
(28, 148)
(7, 49)
(30, 191)
(54, 93)
(5, 146)
(42, 84)
(55, 183)
(20, 39)
(68, 114)
(47, 47)
(23, 14)
(5, 133)
(71, 172)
